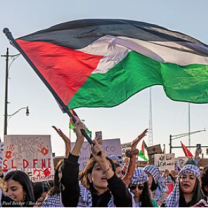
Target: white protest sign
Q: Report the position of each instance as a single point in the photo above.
(124, 148)
(30, 153)
(165, 161)
(111, 147)
(181, 161)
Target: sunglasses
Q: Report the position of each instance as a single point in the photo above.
(133, 186)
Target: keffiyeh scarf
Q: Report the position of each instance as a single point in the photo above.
(139, 177)
(154, 171)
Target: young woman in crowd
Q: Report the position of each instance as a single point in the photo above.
(187, 190)
(40, 191)
(19, 188)
(204, 188)
(118, 162)
(53, 198)
(140, 188)
(173, 175)
(104, 188)
(156, 184)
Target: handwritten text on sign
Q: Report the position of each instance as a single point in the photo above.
(165, 161)
(31, 153)
(111, 147)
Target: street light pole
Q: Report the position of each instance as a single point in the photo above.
(6, 87)
(6, 91)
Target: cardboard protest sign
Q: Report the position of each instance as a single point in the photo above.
(124, 148)
(165, 161)
(1, 153)
(152, 150)
(181, 161)
(111, 147)
(30, 153)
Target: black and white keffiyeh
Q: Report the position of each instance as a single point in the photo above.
(173, 199)
(117, 159)
(139, 177)
(154, 171)
(85, 198)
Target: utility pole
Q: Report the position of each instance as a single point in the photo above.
(6, 87)
(6, 91)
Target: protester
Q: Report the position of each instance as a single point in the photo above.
(187, 191)
(156, 184)
(19, 188)
(53, 198)
(173, 175)
(118, 165)
(167, 177)
(104, 189)
(40, 191)
(204, 187)
(140, 188)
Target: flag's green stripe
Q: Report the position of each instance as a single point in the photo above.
(142, 155)
(71, 126)
(136, 72)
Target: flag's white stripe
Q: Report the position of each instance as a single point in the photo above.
(114, 49)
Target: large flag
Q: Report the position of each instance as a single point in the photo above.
(186, 151)
(142, 151)
(71, 125)
(103, 62)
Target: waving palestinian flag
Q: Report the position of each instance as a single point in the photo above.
(103, 62)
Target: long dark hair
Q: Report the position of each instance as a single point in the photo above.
(204, 180)
(154, 185)
(88, 169)
(197, 196)
(56, 182)
(26, 183)
(145, 197)
(39, 188)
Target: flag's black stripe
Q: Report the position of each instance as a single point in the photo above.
(79, 34)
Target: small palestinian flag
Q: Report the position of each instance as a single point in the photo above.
(142, 151)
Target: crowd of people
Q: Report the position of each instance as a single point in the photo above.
(106, 181)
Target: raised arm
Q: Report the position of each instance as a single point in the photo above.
(70, 171)
(66, 141)
(132, 155)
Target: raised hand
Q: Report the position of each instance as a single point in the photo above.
(80, 138)
(138, 139)
(66, 141)
(62, 135)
